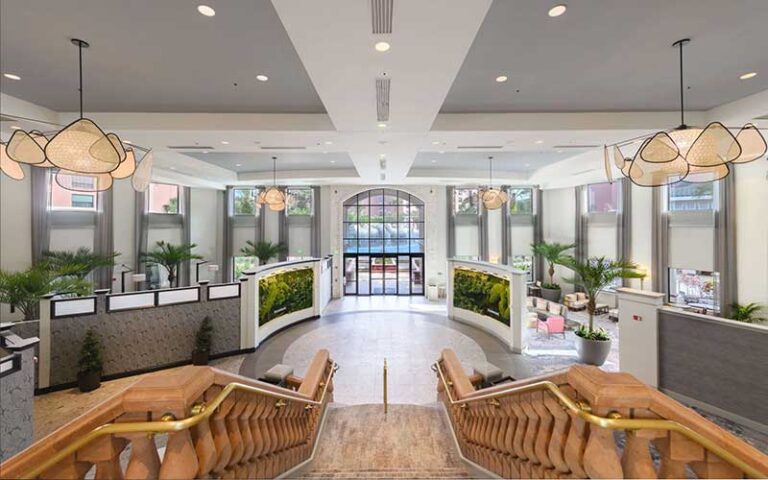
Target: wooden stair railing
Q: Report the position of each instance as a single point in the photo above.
(562, 426)
(216, 425)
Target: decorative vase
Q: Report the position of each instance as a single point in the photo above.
(200, 357)
(592, 352)
(88, 381)
(551, 294)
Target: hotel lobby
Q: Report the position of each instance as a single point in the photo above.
(383, 239)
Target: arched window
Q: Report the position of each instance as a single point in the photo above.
(383, 238)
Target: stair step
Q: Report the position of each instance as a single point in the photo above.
(388, 473)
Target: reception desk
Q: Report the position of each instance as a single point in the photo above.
(488, 296)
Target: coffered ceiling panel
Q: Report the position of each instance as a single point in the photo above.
(286, 162)
(153, 56)
(612, 56)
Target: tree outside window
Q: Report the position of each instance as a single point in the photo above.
(520, 201)
(299, 201)
(465, 201)
(244, 201)
(684, 196)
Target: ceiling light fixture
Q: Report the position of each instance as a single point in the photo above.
(382, 125)
(81, 148)
(693, 154)
(328, 142)
(501, 79)
(206, 10)
(224, 142)
(557, 10)
(747, 76)
(492, 198)
(539, 142)
(382, 46)
(238, 164)
(11, 76)
(262, 78)
(435, 143)
(273, 197)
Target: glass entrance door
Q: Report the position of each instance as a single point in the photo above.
(384, 274)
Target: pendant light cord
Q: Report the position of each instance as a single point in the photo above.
(274, 171)
(682, 88)
(490, 172)
(80, 60)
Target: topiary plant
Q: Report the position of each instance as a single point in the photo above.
(204, 336)
(90, 353)
(170, 257)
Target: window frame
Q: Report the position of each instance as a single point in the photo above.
(289, 191)
(672, 298)
(531, 211)
(363, 201)
(56, 208)
(178, 199)
(714, 198)
(615, 188)
(476, 203)
(257, 207)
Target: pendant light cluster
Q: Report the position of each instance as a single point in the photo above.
(81, 149)
(693, 154)
(273, 197)
(492, 198)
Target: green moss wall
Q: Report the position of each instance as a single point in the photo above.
(481, 293)
(285, 293)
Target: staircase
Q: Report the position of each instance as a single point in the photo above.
(411, 441)
(580, 423)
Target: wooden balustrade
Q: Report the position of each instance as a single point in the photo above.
(587, 423)
(214, 424)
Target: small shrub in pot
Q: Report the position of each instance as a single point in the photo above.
(203, 340)
(90, 364)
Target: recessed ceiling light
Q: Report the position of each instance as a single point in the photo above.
(328, 142)
(12, 76)
(381, 46)
(527, 164)
(128, 142)
(173, 168)
(501, 79)
(206, 10)
(557, 10)
(747, 76)
(14, 127)
(382, 125)
(559, 151)
(262, 78)
(435, 143)
(333, 161)
(205, 151)
(224, 142)
(238, 164)
(539, 142)
(441, 152)
(434, 161)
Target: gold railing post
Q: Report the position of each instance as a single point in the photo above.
(385, 386)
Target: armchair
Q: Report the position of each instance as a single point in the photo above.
(576, 301)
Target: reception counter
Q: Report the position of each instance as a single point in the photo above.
(488, 296)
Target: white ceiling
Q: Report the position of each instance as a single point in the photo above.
(153, 56)
(612, 55)
(445, 54)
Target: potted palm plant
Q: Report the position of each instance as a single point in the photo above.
(90, 364)
(552, 253)
(170, 257)
(594, 275)
(747, 313)
(203, 340)
(78, 263)
(264, 251)
(23, 290)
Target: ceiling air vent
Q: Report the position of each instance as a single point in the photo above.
(281, 147)
(479, 147)
(4, 118)
(381, 16)
(575, 146)
(190, 147)
(583, 172)
(382, 99)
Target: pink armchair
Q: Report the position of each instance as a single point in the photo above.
(553, 324)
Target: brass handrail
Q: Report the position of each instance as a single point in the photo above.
(166, 426)
(612, 422)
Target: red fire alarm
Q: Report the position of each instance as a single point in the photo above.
(637, 318)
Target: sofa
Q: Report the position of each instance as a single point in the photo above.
(576, 301)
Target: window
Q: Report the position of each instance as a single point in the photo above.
(244, 201)
(243, 263)
(684, 196)
(63, 199)
(525, 263)
(465, 201)
(163, 198)
(383, 221)
(80, 200)
(520, 201)
(603, 197)
(299, 201)
(694, 288)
